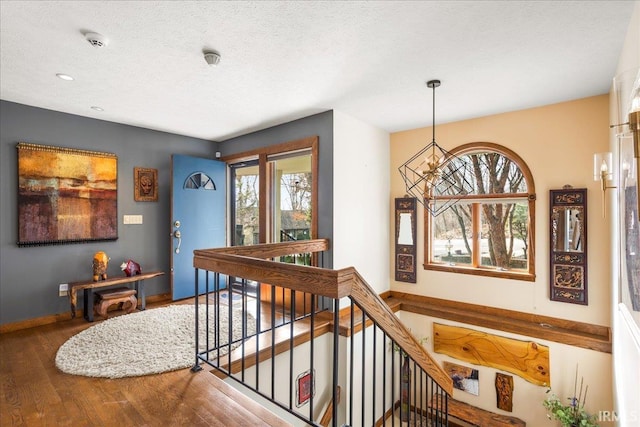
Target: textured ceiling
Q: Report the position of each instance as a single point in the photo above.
(286, 60)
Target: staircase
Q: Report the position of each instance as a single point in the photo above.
(326, 348)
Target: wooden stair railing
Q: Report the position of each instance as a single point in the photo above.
(251, 262)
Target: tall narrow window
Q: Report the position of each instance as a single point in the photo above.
(245, 212)
(489, 231)
(292, 184)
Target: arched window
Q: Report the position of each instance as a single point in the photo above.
(490, 230)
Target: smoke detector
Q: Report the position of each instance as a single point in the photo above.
(97, 40)
(212, 58)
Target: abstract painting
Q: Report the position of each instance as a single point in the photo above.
(66, 195)
(464, 378)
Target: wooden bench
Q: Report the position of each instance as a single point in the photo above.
(109, 297)
(89, 286)
(475, 416)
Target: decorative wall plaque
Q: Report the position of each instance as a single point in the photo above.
(568, 239)
(406, 239)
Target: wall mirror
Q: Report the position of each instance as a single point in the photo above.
(568, 238)
(406, 239)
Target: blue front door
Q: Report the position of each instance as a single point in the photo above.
(197, 218)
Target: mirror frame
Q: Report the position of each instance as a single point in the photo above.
(405, 259)
(568, 268)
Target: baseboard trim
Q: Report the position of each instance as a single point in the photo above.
(63, 317)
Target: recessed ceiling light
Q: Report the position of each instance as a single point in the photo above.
(64, 76)
(97, 108)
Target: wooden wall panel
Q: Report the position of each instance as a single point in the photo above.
(526, 359)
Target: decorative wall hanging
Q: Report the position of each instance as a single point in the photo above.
(504, 392)
(305, 387)
(145, 185)
(66, 195)
(464, 378)
(406, 239)
(568, 239)
(526, 359)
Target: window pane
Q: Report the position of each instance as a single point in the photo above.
(485, 173)
(292, 207)
(504, 235)
(246, 190)
(452, 235)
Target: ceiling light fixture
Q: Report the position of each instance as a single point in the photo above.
(95, 107)
(64, 76)
(212, 58)
(434, 172)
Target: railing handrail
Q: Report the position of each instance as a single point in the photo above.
(250, 262)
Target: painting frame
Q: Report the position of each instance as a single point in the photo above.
(145, 184)
(66, 195)
(305, 387)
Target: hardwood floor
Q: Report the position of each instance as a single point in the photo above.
(35, 393)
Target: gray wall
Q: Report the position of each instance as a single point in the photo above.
(319, 124)
(29, 276)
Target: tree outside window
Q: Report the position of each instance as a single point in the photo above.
(488, 231)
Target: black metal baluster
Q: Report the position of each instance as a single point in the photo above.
(196, 367)
(336, 336)
(362, 367)
(373, 372)
(351, 362)
(311, 355)
(291, 333)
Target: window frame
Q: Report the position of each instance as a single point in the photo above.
(263, 156)
(530, 196)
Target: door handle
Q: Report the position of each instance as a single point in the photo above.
(178, 235)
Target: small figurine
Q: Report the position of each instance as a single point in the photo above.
(100, 263)
(130, 268)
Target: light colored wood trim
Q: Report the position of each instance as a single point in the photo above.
(476, 416)
(270, 250)
(64, 317)
(386, 320)
(527, 359)
(314, 188)
(569, 332)
(284, 147)
(482, 271)
(476, 260)
(328, 413)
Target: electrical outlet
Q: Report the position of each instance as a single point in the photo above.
(63, 289)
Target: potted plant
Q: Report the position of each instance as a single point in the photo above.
(571, 414)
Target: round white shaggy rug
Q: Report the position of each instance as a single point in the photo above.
(146, 342)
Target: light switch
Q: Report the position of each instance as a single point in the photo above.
(132, 219)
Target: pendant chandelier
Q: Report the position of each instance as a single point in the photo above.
(433, 172)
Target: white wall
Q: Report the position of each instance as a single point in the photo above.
(527, 397)
(626, 334)
(361, 200)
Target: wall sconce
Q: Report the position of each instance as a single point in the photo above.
(603, 171)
